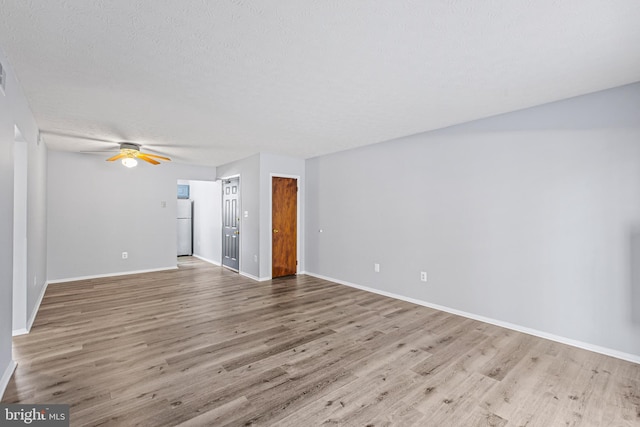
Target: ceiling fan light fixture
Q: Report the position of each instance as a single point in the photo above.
(130, 153)
(129, 162)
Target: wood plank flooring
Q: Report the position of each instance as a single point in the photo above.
(204, 346)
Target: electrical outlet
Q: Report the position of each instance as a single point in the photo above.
(423, 276)
(376, 267)
(125, 255)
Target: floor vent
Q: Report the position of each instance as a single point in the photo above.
(3, 79)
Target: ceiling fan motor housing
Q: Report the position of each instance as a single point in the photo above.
(129, 146)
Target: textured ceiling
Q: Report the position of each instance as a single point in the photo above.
(209, 82)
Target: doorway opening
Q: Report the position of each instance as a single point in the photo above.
(198, 221)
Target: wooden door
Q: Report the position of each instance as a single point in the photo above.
(231, 224)
(284, 214)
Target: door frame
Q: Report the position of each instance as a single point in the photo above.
(224, 178)
(298, 244)
(20, 321)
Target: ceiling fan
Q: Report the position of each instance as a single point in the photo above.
(130, 151)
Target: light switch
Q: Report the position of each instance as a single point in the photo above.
(246, 214)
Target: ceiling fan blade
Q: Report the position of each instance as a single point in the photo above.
(147, 159)
(159, 146)
(157, 157)
(116, 157)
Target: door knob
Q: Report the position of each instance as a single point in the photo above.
(275, 230)
(236, 232)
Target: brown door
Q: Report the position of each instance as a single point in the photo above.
(284, 213)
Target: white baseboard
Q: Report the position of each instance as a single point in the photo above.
(267, 278)
(34, 313)
(207, 260)
(256, 278)
(6, 377)
(122, 273)
(563, 340)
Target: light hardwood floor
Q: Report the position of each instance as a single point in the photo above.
(204, 346)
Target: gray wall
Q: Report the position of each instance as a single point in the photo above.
(14, 111)
(207, 219)
(98, 209)
(527, 218)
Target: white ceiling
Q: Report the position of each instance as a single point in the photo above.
(208, 82)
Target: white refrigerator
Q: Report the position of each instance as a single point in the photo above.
(185, 227)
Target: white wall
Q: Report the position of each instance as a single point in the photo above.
(14, 111)
(207, 220)
(98, 209)
(527, 218)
